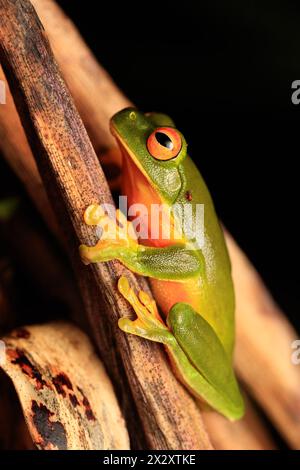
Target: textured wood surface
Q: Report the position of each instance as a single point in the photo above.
(264, 336)
(66, 396)
(73, 179)
(248, 433)
(87, 81)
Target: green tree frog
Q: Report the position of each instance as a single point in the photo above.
(190, 281)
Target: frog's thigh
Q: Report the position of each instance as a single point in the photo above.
(198, 340)
(208, 368)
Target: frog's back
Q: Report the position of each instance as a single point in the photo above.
(216, 291)
(210, 294)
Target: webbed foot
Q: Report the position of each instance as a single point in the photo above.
(148, 324)
(117, 235)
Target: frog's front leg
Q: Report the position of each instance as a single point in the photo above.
(118, 241)
(198, 357)
(117, 236)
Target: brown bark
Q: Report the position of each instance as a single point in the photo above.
(87, 81)
(73, 179)
(262, 359)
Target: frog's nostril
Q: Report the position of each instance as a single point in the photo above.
(164, 140)
(132, 116)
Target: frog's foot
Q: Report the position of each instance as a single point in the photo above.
(117, 235)
(148, 324)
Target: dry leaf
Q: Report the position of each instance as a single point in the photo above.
(66, 396)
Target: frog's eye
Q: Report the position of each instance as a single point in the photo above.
(164, 143)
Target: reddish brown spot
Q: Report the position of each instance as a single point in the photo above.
(52, 432)
(188, 196)
(60, 382)
(88, 410)
(74, 401)
(22, 333)
(18, 357)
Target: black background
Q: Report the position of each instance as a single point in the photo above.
(223, 71)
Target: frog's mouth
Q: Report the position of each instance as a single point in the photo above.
(135, 182)
(137, 186)
(128, 155)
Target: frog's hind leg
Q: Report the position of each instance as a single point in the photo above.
(148, 323)
(196, 353)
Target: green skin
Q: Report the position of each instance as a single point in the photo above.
(200, 343)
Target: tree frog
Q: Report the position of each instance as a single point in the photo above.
(191, 282)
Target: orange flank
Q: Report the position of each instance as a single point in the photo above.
(152, 217)
(166, 293)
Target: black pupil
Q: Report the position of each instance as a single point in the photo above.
(164, 140)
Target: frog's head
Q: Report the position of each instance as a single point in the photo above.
(155, 146)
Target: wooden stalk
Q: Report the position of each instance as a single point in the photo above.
(73, 179)
(224, 435)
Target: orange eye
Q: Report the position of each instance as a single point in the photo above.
(164, 143)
